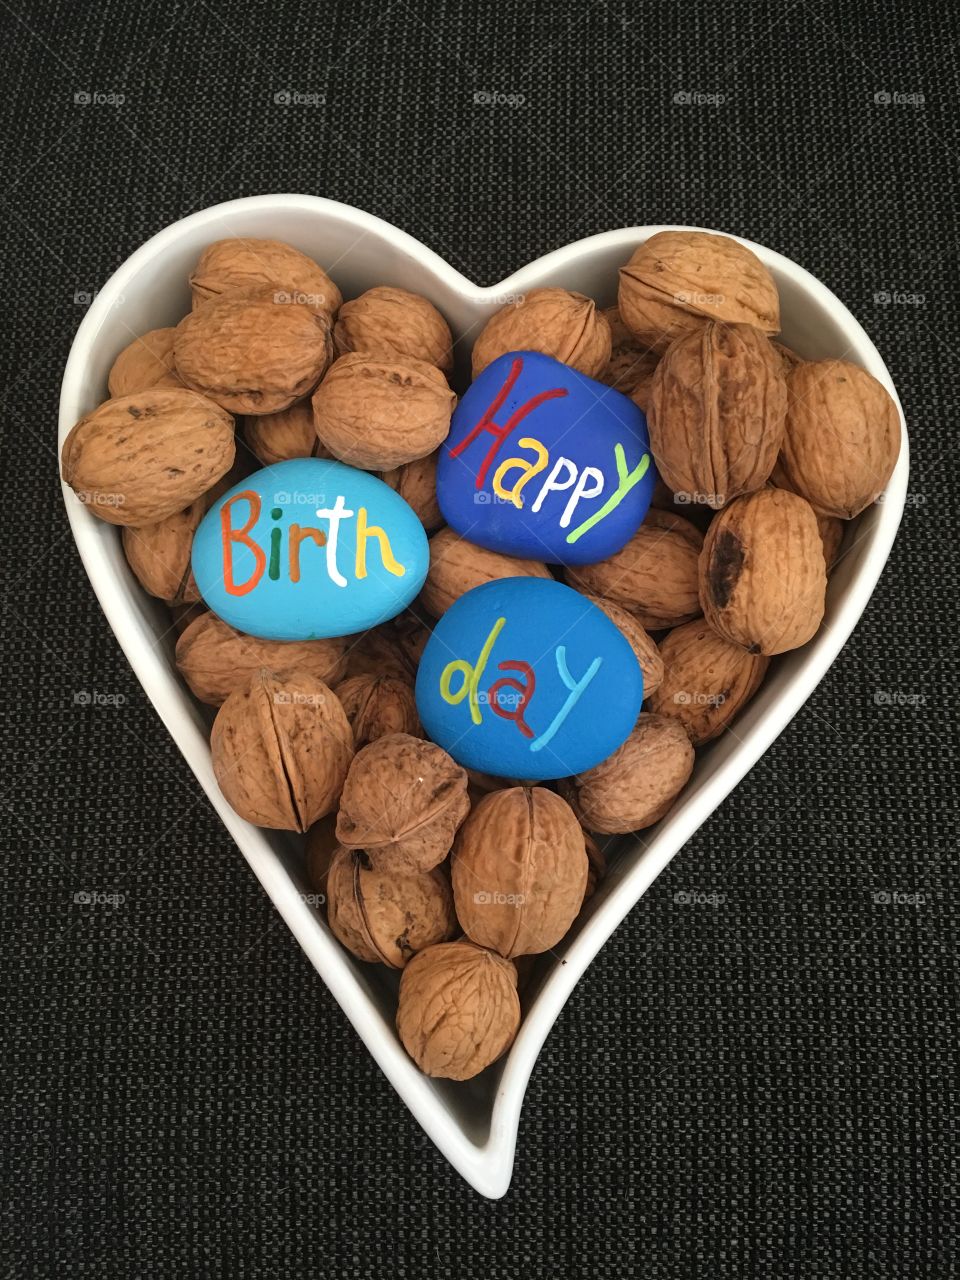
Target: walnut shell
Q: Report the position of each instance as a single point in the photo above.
(831, 535)
(281, 747)
(246, 263)
(654, 576)
(251, 353)
(181, 615)
(320, 847)
(146, 362)
(763, 578)
(386, 918)
(717, 410)
(416, 483)
(138, 459)
(288, 433)
(637, 785)
(678, 279)
(458, 1010)
(378, 705)
(631, 367)
(596, 865)
(707, 680)
(377, 414)
(387, 322)
(456, 566)
(842, 437)
(564, 325)
(648, 655)
(519, 867)
(402, 803)
(215, 660)
(159, 554)
(788, 356)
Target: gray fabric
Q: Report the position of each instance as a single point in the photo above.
(762, 1087)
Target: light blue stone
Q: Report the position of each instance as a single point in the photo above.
(364, 563)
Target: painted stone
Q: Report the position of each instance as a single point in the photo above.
(546, 463)
(308, 549)
(525, 678)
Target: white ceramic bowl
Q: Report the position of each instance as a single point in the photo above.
(473, 1124)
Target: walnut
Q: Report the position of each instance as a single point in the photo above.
(416, 483)
(159, 554)
(377, 706)
(654, 576)
(763, 578)
(140, 458)
(145, 363)
(456, 566)
(288, 433)
(458, 1010)
(251, 352)
(385, 917)
(402, 803)
(519, 869)
(564, 325)
(391, 649)
(842, 437)
(676, 280)
(281, 748)
(321, 846)
(717, 412)
(647, 653)
(239, 263)
(214, 659)
(708, 681)
(637, 785)
(378, 413)
(387, 322)
(631, 367)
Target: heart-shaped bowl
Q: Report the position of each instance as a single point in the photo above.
(473, 1124)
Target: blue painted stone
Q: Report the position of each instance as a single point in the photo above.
(544, 462)
(525, 678)
(260, 568)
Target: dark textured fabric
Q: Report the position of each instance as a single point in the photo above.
(766, 1086)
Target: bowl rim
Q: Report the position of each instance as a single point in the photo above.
(488, 1165)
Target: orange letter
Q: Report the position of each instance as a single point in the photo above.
(229, 535)
(297, 535)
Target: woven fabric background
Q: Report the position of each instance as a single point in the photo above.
(766, 1087)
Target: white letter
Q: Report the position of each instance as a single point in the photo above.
(338, 513)
(549, 484)
(581, 491)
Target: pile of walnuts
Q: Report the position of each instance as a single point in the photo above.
(448, 876)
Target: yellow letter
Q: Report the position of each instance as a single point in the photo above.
(530, 469)
(471, 675)
(386, 554)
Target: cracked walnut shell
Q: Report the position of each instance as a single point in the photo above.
(378, 413)
(281, 748)
(387, 322)
(402, 803)
(140, 458)
(676, 280)
(519, 869)
(763, 578)
(383, 917)
(557, 323)
(252, 353)
(458, 1010)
